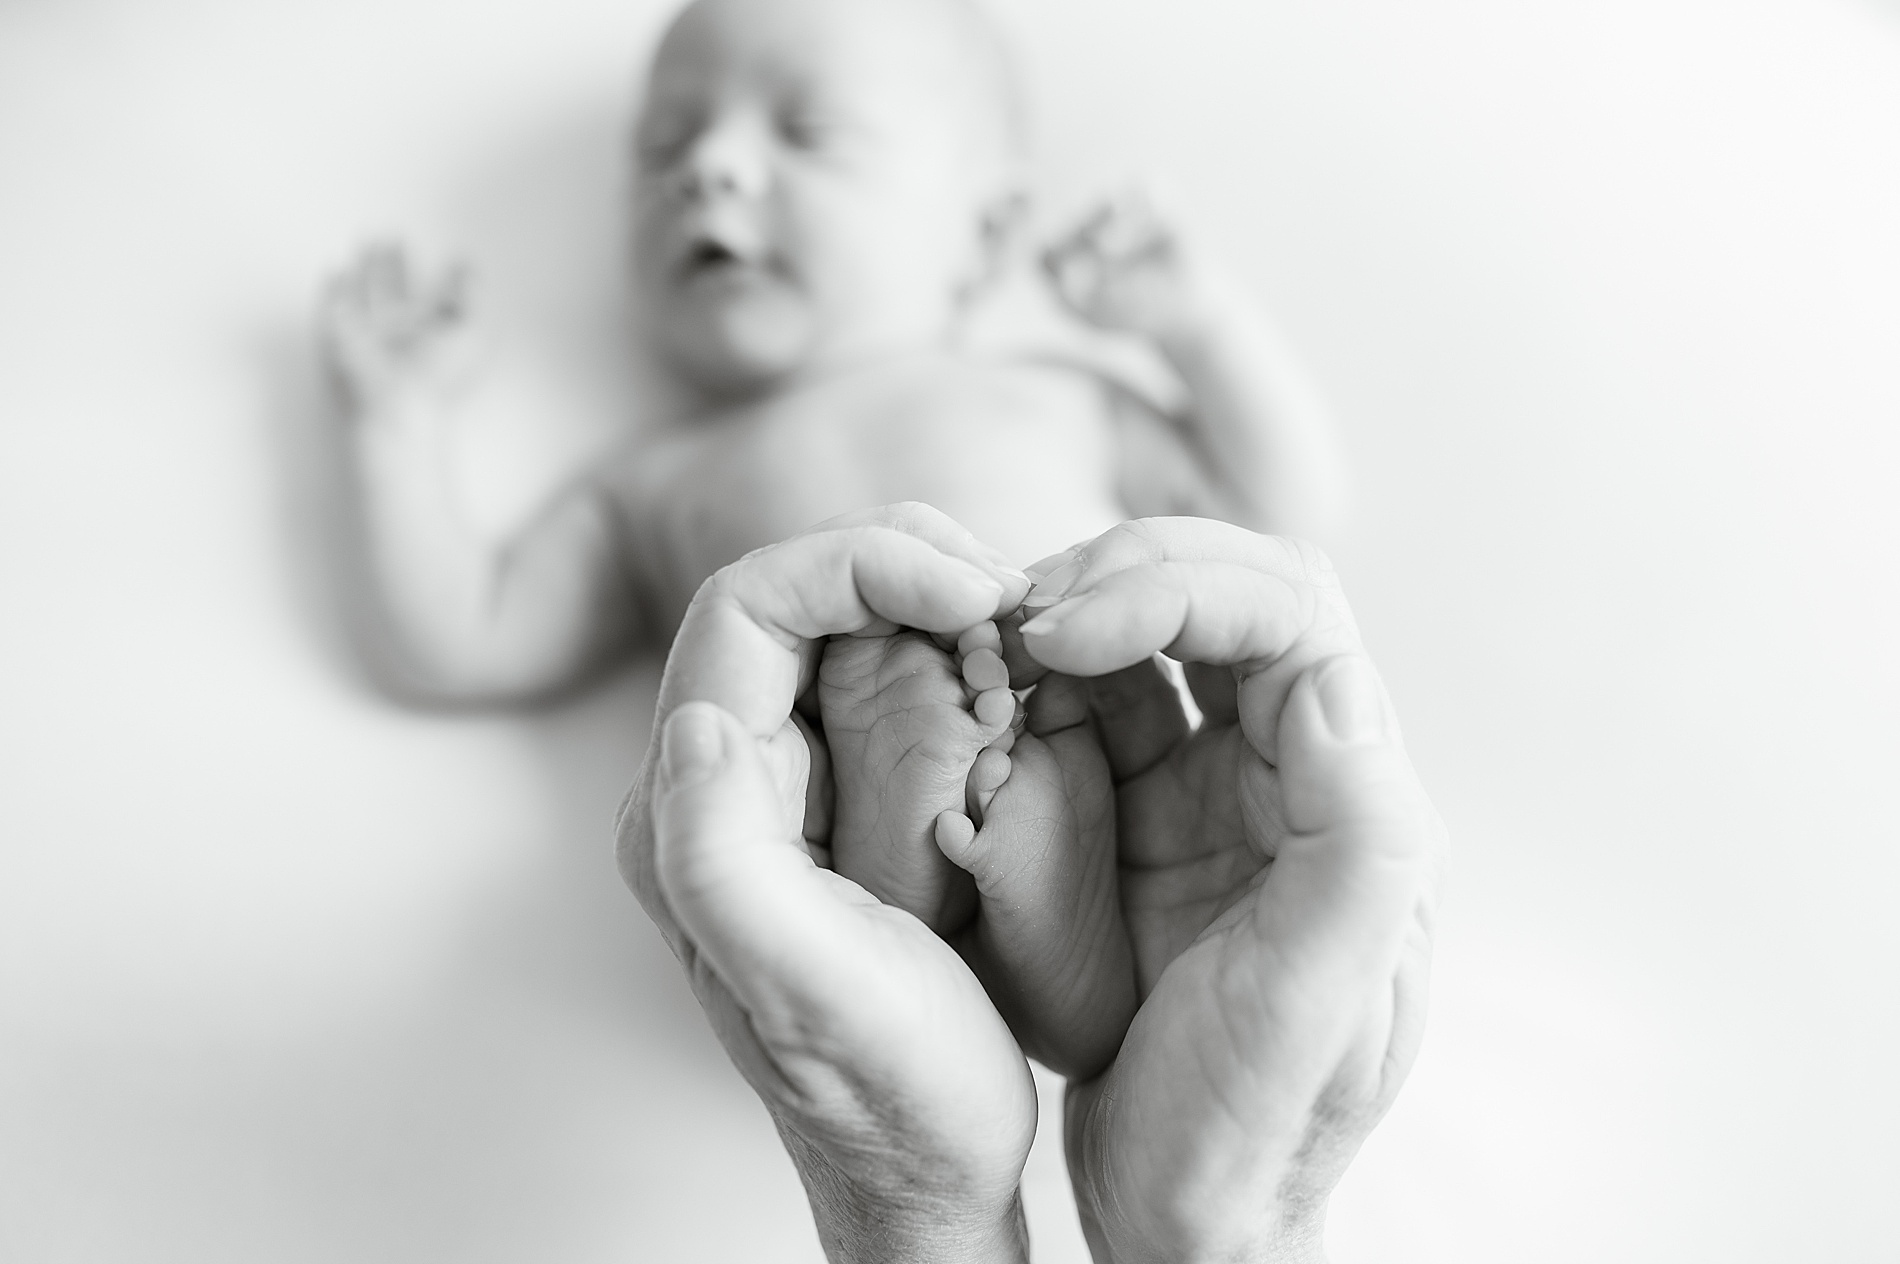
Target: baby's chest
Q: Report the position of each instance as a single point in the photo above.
(1022, 458)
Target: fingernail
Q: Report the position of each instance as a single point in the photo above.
(990, 583)
(1052, 587)
(693, 747)
(1049, 620)
(1351, 700)
(1037, 570)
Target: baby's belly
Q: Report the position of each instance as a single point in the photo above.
(1024, 461)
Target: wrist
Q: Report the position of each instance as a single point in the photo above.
(855, 1231)
(399, 427)
(1216, 314)
(1136, 1214)
(909, 1219)
(1111, 1247)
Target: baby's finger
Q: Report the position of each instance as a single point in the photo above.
(1134, 224)
(385, 272)
(1085, 231)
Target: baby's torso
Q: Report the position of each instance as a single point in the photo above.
(1022, 454)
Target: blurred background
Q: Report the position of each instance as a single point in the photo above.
(1606, 297)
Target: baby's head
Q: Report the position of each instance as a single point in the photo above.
(819, 182)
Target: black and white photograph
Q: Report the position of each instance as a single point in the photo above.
(949, 631)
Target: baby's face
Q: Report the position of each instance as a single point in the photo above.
(811, 190)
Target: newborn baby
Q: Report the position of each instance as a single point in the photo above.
(825, 190)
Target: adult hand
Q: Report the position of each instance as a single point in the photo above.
(905, 1104)
(1277, 872)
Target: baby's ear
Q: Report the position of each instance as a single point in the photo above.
(1001, 226)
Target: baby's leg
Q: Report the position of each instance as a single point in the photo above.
(1049, 941)
(904, 720)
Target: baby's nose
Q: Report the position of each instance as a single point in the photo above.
(729, 160)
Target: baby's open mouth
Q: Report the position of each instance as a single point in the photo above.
(725, 258)
(710, 254)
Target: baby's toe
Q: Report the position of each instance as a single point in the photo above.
(984, 669)
(983, 636)
(987, 776)
(956, 837)
(994, 709)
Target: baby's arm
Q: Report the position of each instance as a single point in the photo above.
(1264, 451)
(456, 617)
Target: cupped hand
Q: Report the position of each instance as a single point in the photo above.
(1277, 869)
(904, 1102)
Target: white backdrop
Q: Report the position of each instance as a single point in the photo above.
(1607, 297)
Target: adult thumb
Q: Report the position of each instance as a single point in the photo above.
(1355, 862)
(731, 867)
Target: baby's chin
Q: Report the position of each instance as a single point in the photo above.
(736, 349)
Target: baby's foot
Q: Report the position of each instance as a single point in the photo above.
(905, 718)
(1048, 940)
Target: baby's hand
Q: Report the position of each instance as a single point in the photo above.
(1127, 267)
(388, 328)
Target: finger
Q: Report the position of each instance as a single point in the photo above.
(1134, 233)
(1085, 230)
(1347, 881)
(748, 638)
(1074, 282)
(739, 887)
(1217, 613)
(385, 274)
(1145, 540)
(941, 532)
(1202, 592)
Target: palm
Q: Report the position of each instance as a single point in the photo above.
(1189, 1097)
(929, 1046)
(953, 1075)
(1184, 851)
